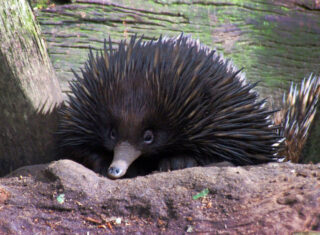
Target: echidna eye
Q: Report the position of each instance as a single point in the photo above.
(113, 134)
(148, 137)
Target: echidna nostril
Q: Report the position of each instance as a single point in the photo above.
(114, 172)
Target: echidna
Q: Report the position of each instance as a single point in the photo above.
(296, 116)
(162, 105)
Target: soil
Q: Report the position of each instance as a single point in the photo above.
(64, 197)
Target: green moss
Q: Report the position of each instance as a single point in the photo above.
(248, 29)
(40, 3)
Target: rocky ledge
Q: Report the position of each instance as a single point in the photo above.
(65, 197)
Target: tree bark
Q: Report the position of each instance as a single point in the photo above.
(29, 89)
(276, 42)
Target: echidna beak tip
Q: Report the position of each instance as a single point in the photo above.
(115, 172)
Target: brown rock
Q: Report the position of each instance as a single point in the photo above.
(65, 197)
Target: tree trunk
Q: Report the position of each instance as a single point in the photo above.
(29, 89)
(276, 42)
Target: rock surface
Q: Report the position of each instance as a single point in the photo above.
(65, 197)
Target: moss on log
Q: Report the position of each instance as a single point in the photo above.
(275, 41)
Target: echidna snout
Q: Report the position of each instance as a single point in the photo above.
(124, 155)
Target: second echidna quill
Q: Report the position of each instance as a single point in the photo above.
(164, 105)
(298, 110)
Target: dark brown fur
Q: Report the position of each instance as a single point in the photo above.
(298, 110)
(197, 106)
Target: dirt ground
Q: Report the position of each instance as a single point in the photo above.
(66, 198)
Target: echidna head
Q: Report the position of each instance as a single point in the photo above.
(130, 135)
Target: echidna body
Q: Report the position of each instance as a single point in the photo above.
(298, 110)
(165, 104)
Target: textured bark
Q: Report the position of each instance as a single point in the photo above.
(29, 89)
(275, 41)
